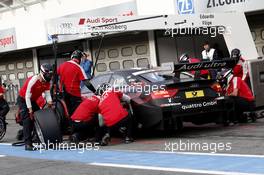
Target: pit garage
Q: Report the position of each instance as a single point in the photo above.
(123, 51)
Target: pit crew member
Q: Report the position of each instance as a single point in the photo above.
(84, 118)
(71, 74)
(241, 68)
(114, 115)
(238, 90)
(27, 100)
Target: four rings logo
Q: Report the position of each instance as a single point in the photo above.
(67, 25)
(185, 6)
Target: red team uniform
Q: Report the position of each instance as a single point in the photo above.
(111, 108)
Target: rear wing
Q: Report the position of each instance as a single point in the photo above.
(217, 64)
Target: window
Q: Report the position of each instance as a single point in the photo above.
(2, 67)
(101, 67)
(128, 64)
(101, 56)
(20, 75)
(261, 77)
(29, 64)
(29, 74)
(113, 53)
(141, 49)
(142, 62)
(12, 76)
(127, 51)
(262, 34)
(4, 77)
(20, 65)
(114, 65)
(11, 66)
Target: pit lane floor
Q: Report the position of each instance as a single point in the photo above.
(152, 153)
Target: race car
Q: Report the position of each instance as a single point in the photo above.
(162, 101)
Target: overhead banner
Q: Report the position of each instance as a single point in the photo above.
(8, 40)
(85, 19)
(187, 24)
(173, 24)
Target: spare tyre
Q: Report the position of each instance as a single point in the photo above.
(47, 127)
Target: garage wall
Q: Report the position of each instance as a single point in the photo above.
(122, 52)
(14, 69)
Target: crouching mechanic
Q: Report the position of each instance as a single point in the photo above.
(71, 74)
(241, 94)
(28, 95)
(114, 115)
(84, 118)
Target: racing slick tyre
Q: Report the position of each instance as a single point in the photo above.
(47, 127)
(62, 116)
(2, 128)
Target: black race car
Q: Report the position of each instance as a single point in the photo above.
(162, 101)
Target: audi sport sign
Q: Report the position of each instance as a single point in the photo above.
(8, 40)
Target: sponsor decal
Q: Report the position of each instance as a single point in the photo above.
(199, 105)
(189, 67)
(221, 3)
(185, 6)
(6, 41)
(102, 20)
(226, 63)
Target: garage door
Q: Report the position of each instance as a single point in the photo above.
(122, 52)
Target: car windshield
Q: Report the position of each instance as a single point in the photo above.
(160, 76)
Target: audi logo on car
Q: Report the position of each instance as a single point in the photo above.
(66, 25)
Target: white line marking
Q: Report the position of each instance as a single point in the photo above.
(6, 144)
(2, 156)
(193, 153)
(170, 169)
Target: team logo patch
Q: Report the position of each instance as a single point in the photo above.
(185, 6)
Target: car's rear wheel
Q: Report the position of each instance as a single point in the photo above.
(47, 127)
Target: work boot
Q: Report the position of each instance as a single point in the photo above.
(74, 138)
(105, 140)
(129, 140)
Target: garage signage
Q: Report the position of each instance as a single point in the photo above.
(233, 5)
(80, 23)
(8, 40)
(185, 6)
